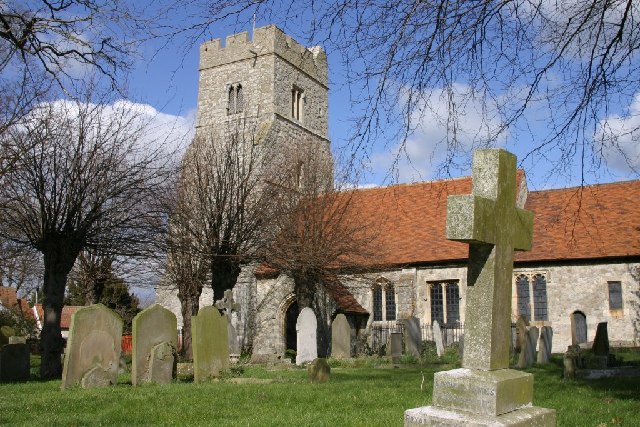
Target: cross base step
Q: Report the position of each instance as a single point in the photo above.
(530, 416)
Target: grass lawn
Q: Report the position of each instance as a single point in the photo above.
(354, 396)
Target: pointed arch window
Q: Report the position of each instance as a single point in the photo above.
(522, 293)
(235, 99)
(384, 301)
(540, 298)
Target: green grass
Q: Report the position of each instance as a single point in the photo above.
(358, 394)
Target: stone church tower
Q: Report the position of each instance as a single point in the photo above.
(273, 92)
(271, 88)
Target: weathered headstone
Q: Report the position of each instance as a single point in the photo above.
(155, 340)
(437, 337)
(600, 347)
(522, 324)
(412, 336)
(93, 349)
(14, 362)
(340, 337)
(527, 355)
(319, 371)
(395, 345)
(210, 344)
(578, 328)
(545, 344)
(485, 392)
(230, 307)
(306, 329)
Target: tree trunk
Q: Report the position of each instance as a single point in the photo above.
(304, 289)
(189, 305)
(58, 261)
(224, 275)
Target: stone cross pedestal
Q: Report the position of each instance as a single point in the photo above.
(230, 306)
(484, 391)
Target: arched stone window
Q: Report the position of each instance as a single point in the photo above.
(384, 301)
(444, 301)
(540, 298)
(522, 293)
(235, 99)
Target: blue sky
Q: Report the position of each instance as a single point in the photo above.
(166, 78)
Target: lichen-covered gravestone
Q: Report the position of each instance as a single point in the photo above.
(340, 337)
(155, 339)
(306, 334)
(527, 356)
(14, 362)
(210, 344)
(93, 349)
(318, 371)
(395, 346)
(484, 391)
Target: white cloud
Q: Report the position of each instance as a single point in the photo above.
(450, 123)
(618, 139)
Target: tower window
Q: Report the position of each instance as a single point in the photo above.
(235, 99)
(297, 102)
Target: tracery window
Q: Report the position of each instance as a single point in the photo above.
(540, 298)
(528, 285)
(383, 292)
(235, 99)
(444, 300)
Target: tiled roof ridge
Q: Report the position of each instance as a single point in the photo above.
(586, 186)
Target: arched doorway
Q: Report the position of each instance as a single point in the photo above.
(578, 327)
(290, 319)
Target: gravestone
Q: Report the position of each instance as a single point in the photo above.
(229, 306)
(484, 391)
(395, 344)
(155, 340)
(93, 349)
(600, 347)
(545, 344)
(412, 337)
(209, 343)
(340, 337)
(527, 356)
(578, 328)
(14, 362)
(306, 330)
(5, 333)
(17, 340)
(318, 371)
(437, 337)
(521, 333)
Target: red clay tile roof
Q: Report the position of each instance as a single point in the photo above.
(593, 222)
(67, 312)
(343, 298)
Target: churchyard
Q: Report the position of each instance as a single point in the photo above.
(360, 392)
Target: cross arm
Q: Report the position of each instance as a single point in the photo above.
(470, 219)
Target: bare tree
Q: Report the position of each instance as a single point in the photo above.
(225, 184)
(85, 180)
(57, 37)
(565, 64)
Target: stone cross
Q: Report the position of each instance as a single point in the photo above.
(493, 226)
(228, 303)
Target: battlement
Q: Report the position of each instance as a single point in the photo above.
(268, 40)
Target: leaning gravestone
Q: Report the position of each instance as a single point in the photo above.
(14, 362)
(545, 344)
(527, 355)
(306, 329)
(485, 392)
(412, 336)
(600, 347)
(155, 339)
(340, 337)
(210, 344)
(93, 349)
(395, 345)
(521, 333)
(437, 337)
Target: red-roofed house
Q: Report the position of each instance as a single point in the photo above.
(65, 319)
(9, 300)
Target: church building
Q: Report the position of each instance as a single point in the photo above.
(583, 268)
